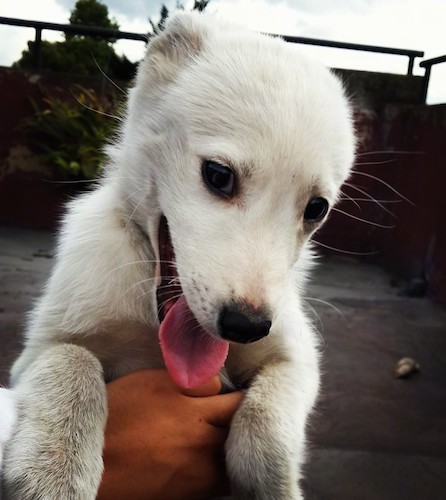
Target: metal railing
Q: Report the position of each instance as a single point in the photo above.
(427, 65)
(411, 54)
(75, 29)
(112, 34)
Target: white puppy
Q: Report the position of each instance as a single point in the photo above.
(232, 151)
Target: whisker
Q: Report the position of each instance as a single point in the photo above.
(368, 200)
(319, 321)
(108, 115)
(165, 287)
(327, 304)
(133, 193)
(362, 220)
(80, 181)
(348, 252)
(347, 197)
(370, 197)
(172, 283)
(381, 162)
(137, 284)
(105, 75)
(144, 261)
(385, 184)
(147, 280)
(164, 302)
(176, 280)
(134, 262)
(133, 177)
(391, 152)
(154, 312)
(134, 211)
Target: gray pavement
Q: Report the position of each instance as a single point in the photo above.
(372, 436)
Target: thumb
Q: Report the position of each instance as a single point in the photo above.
(210, 388)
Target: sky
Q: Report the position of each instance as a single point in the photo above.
(407, 24)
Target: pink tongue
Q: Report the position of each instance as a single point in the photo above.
(191, 355)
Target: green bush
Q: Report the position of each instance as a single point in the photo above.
(71, 135)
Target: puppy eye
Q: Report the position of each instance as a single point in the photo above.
(316, 209)
(219, 178)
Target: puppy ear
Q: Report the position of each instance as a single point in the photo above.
(180, 41)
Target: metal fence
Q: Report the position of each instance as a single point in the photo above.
(411, 54)
(111, 34)
(427, 65)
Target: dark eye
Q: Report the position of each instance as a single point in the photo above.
(316, 209)
(219, 178)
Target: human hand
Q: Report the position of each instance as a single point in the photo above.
(162, 442)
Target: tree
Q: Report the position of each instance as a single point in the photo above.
(92, 13)
(81, 55)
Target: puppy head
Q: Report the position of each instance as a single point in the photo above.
(242, 144)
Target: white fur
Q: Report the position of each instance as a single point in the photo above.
(8, 416)
(206, 90)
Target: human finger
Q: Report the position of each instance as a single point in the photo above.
(211, 388)
(221, 408)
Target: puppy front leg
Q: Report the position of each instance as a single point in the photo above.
(265, 447)
(56, 449)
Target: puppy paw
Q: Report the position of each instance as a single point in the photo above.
(262, 454)
(56, 448)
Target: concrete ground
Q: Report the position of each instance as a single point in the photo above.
(373, 436)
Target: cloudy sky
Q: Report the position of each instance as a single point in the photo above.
(408, 24)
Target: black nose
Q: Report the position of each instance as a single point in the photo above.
(236, 326)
